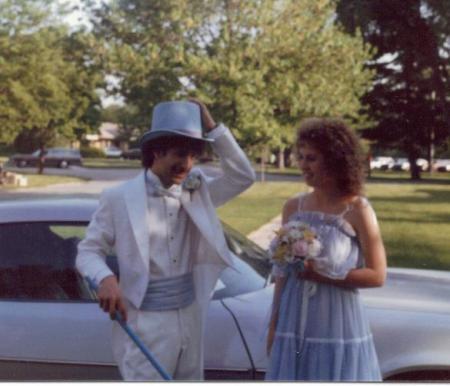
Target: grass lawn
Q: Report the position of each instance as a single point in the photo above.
(376, 175)
(35, 181)
(414, 218)
(114, 163)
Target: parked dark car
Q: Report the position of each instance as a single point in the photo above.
(133, 153)
(54, 157)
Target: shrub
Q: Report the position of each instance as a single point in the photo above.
(91, 152)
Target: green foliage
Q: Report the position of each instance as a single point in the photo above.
(261, 65)
(48, 79)
(413, 217)
(410, 99)
(145, 43)
(91, 152)
(272, 63)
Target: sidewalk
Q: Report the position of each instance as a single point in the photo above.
(264, 235)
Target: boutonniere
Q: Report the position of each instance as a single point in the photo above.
(192, 182)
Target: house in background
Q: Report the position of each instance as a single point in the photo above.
(107, 136)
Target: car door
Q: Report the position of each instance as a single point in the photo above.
(51, 326)
(238, 314)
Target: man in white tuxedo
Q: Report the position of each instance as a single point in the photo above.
(163, 227)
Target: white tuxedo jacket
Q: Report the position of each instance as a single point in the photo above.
(123, 222)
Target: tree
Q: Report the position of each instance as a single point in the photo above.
(47, 82)
(261, 65)
(410, 98)
(269, 63)
(144, 44)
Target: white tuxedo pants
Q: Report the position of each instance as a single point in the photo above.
(174, 339)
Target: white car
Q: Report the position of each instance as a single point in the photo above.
(442, 165)
(382, 163)
(52, 329)
(112, 152)
(403, 164)
(422, 163)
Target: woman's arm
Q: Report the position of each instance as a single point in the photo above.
(363, 219)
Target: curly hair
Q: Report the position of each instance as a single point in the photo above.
(163, 144)
(340, 148)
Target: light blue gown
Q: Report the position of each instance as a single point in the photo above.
(322, 332)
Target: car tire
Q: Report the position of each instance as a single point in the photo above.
(21, 164)
(64, 164)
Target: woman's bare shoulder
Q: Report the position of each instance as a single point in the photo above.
(292, 205)
(360, 212)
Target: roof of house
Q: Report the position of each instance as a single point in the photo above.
(108, 130)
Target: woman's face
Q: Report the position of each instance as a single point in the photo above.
(312, 165)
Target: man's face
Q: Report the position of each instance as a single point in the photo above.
(173, 166)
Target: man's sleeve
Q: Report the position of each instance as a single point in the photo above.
(237, 173)
(98, 242)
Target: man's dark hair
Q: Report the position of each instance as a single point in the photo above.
(163, 144)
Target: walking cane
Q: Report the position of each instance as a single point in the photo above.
(118, 318)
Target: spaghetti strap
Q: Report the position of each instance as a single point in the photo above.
(351, 205)
(348, 208)
(301, 197)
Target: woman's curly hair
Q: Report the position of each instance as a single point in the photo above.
(340, 148)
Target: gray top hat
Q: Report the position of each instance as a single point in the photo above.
(178, 118)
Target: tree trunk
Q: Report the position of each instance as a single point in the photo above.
(414, 169)
(281, 164)
(431, 152)
(264, 160)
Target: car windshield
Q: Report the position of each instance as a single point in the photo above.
(37, 262)
(252, 267)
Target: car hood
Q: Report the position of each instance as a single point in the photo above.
(415, 290)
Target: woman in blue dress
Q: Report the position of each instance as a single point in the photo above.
(318, 329)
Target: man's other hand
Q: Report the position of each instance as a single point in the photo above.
(110, 297)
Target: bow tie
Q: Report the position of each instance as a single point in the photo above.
(157, 190)
(174, 192)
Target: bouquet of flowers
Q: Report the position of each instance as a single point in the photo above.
(294, 243)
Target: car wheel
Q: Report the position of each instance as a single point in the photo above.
(63, 164)
(21, 164)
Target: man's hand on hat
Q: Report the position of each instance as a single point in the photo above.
(207, 120)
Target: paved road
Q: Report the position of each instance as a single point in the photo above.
(102, 174)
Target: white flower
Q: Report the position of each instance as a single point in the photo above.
(295, 234)
(284, 239)
(192, 182)
(314, 248)
(294, 224)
